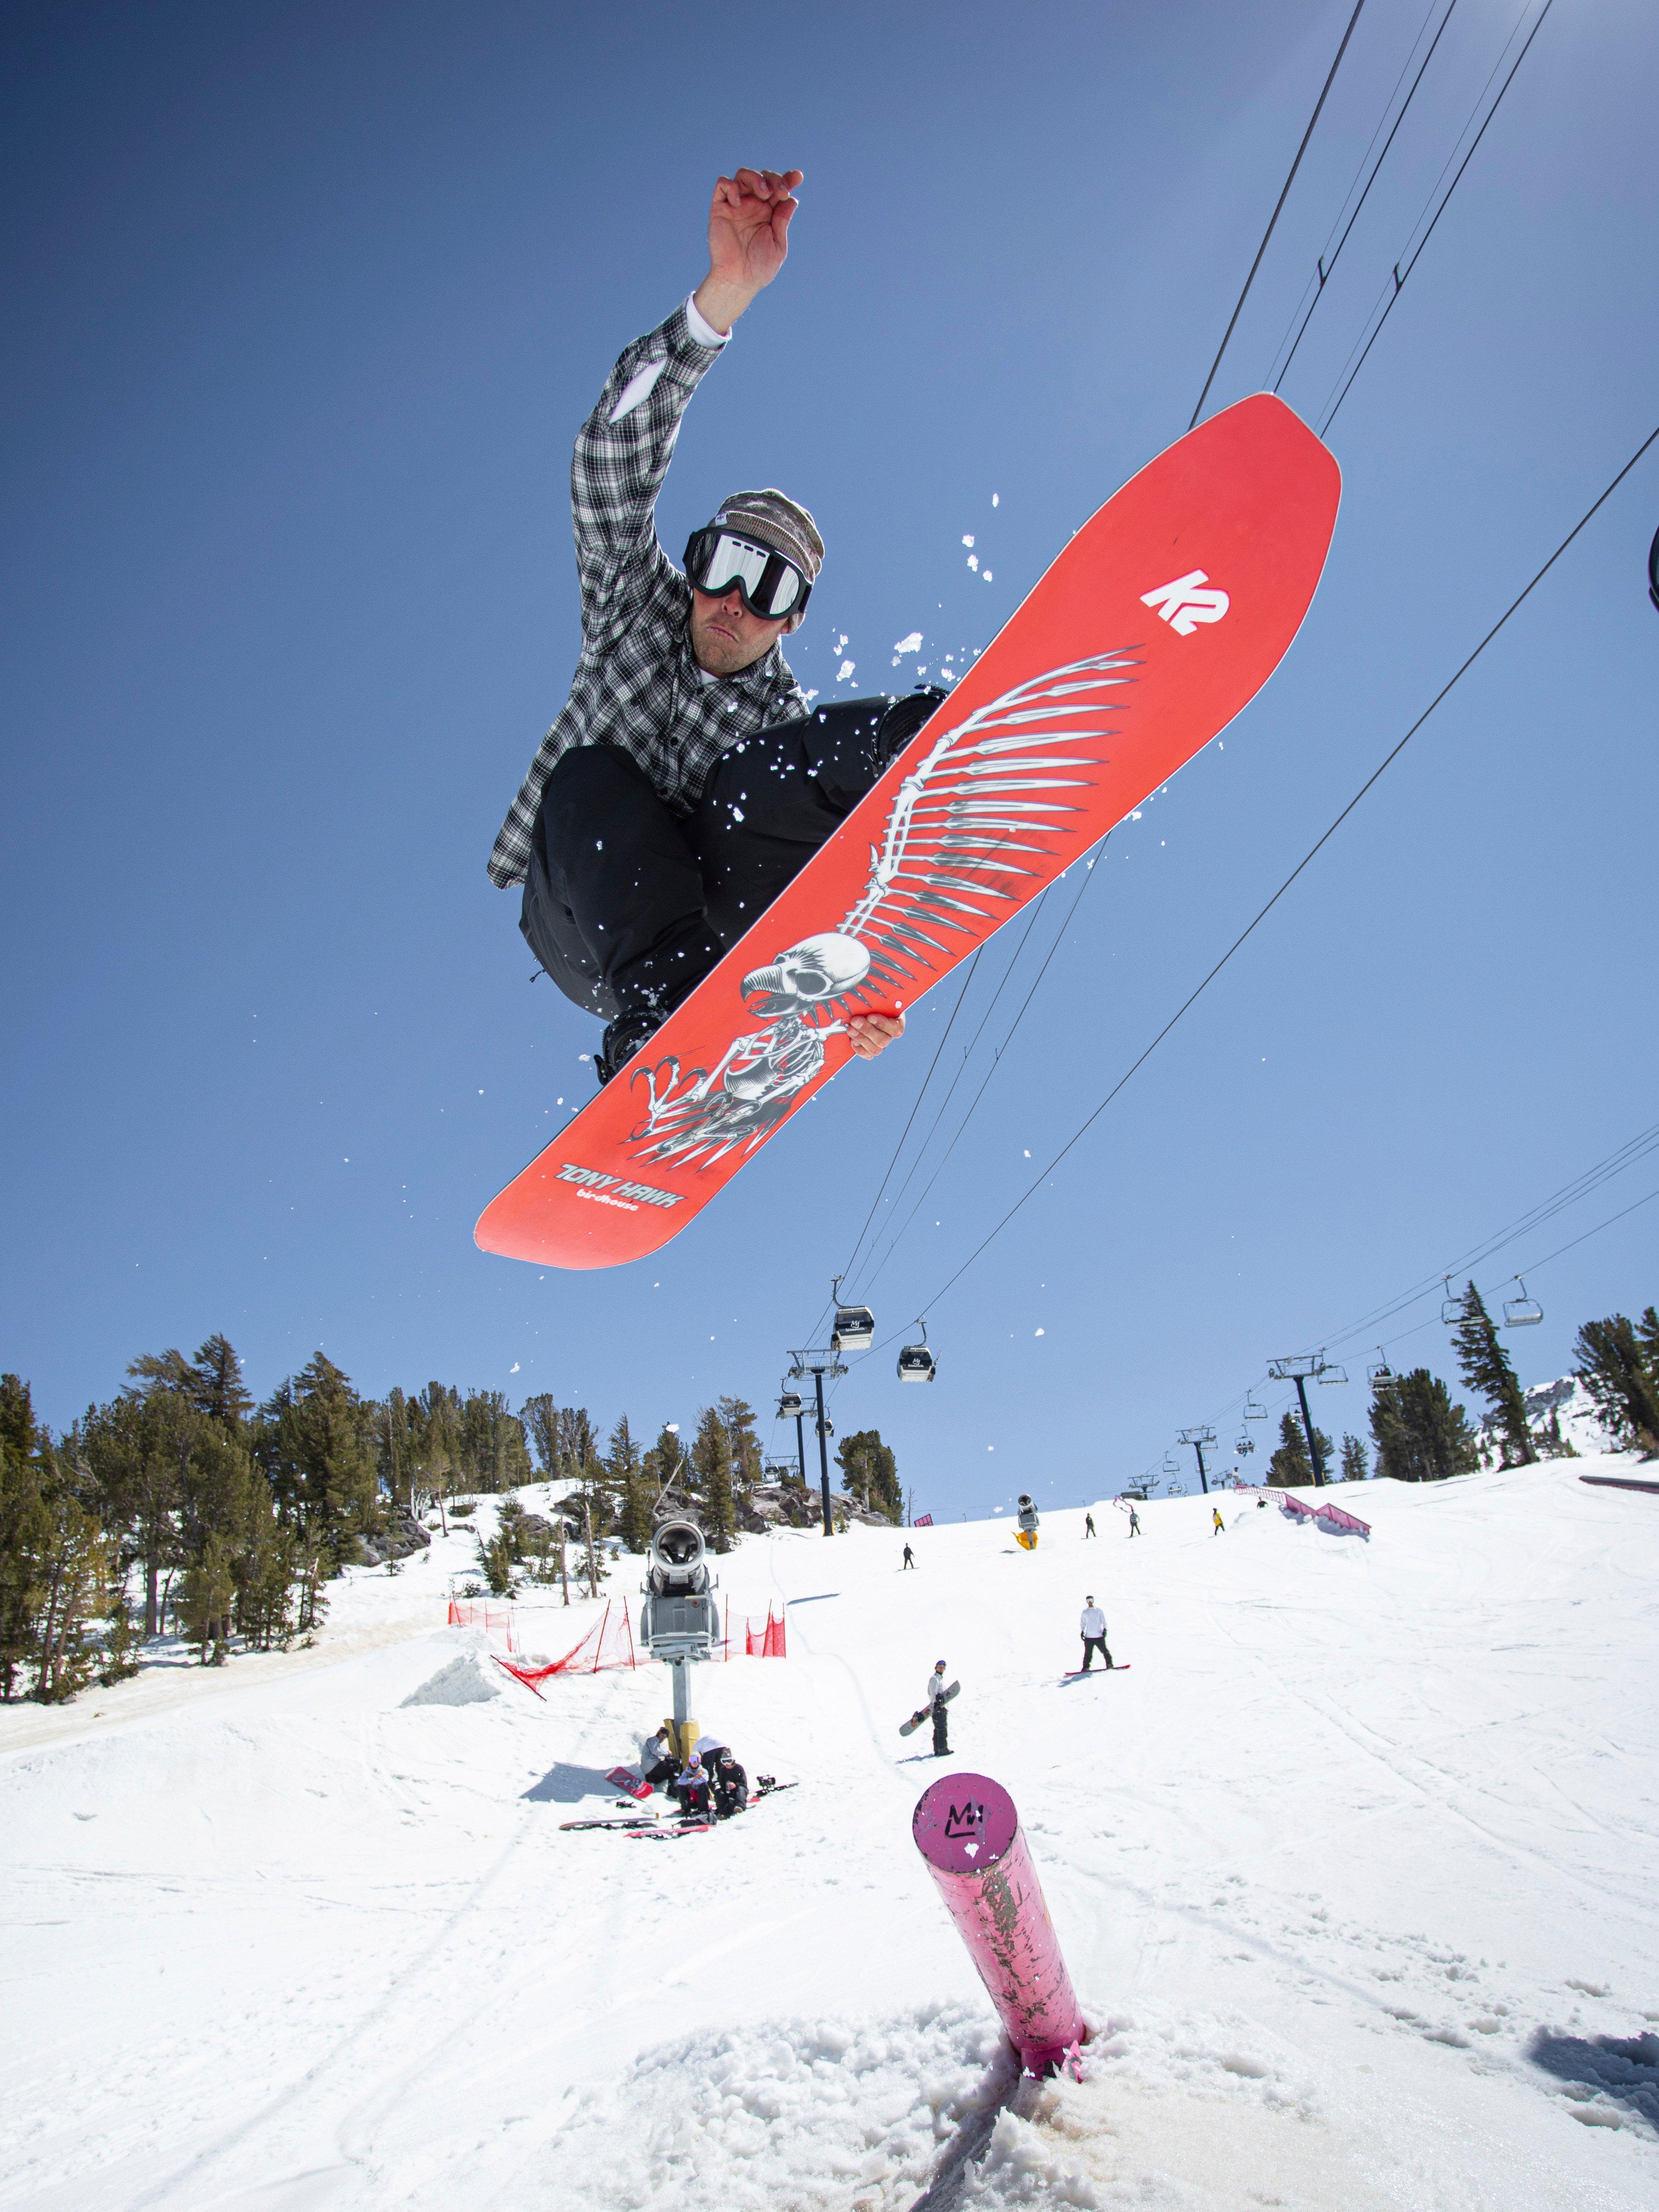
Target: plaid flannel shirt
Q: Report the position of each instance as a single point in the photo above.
(636, 685)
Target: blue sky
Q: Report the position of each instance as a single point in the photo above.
(306, 304)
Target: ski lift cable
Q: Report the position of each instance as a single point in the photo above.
(1636, 1148)
(971, 1047)
(1326, 267)
(1324, 838)
(1278, 210)
(916, 1109)
(1532, 1267)
(1060, 937)
(1400, 276)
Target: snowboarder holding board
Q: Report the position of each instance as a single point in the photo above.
(686, 779)
(1092, 1625)
(936, 1704)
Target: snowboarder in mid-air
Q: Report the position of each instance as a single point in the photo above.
(1092, 1625)
(686, 779)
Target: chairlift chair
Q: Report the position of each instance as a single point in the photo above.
(1245, 1443)
(1252, 1411)
(855, 1326)
(1522, 1312)
(1335, 1372)
(788, 1405)
(1451, 1306)
(916, 1363)
(1381, 1373)
(1171, 1464)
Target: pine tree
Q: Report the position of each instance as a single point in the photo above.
(216, 1387)
(745, 1443)
(712, 1462)
(665, 1462)
(1354, 1467)
(1289, 1467)
(539, 1416)
(869, 1472)
(25, 1533)
(1420, 1435)
(1487, 1369)
(1614, 1369)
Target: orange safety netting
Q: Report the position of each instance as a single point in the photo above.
(609, 1643)
(494, 1620)
(755, 1640)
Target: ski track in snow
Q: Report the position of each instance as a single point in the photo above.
(1354, 1870)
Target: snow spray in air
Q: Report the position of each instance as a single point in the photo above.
(967, 1830)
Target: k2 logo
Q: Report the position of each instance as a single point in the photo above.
(1184, 604)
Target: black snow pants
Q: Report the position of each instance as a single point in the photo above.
(628, 905)
(1092, 1643)
(941, 1727)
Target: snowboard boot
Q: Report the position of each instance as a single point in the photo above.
(623, 1039)
(902, 720)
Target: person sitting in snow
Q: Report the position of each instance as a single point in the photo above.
(731, 1784)
(686, 779)
(692, 1790)
(658, 1762)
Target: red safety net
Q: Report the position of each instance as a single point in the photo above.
(609, 1643)
(493, 1620)
(753, 1638)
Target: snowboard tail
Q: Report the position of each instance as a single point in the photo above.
(1159, 621)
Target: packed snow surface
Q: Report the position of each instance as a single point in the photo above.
(1354, 1869)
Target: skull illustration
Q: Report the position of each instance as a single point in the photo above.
(818, 968)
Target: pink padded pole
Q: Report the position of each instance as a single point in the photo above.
(967, 1830)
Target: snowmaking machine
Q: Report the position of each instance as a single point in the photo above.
(679, 1623)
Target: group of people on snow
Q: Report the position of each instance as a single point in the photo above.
(708, 1784)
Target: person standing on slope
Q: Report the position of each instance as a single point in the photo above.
(1134, 1522)
(910, 1557)
(686, 779)
(1092, 1625)
(1220, 1528)
(934, 1702)
(1089, 1526)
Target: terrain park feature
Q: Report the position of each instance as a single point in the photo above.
(1160, 620)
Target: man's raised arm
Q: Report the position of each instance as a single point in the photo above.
(624, 448)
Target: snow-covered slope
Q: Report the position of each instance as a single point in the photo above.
(1355, 1869)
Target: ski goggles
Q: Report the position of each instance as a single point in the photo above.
(769, 585)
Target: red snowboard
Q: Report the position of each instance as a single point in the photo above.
(1160, 620)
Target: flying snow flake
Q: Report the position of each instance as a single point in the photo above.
(987, 575)
(973, 559)
(995, 502)
(811, 695)
(968, 539)
(1042, 1332)
(845, 671)
(513, 1370)
(911, 644)
(1028, 1153)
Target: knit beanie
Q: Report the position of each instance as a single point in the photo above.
(774, 520)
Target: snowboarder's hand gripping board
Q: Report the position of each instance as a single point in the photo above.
(1160, 620)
